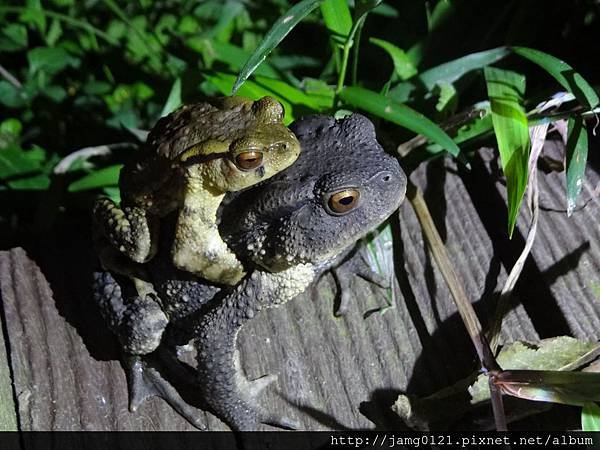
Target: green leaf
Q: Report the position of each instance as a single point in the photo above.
(38, 182)
(553, 354)
(577, 150)
(447, 98)
(174, 99)
(505, 90)
(320, 92)
(107, 176)
(54, 33)
(568, 388)
(11, 126)
(363, 7)
(94, 87)
(295, 96)
(445, 407)
(452, 71)
(223, 28)
(230, 54)
(289, 62)
(289, 96)
(399, 114)
(475, 129)
(34, 14)
(56, 93)
(14, 37)
(11, 96)
(338, 19)
(50, 59)
(441, 12)
(14, 161)
(113, 193)
(403, 66)
(274, 36)
(590, 417)
(563, 73)
(386, 11)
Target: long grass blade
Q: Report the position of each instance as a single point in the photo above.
(274, 36)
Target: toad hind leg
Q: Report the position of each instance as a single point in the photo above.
(129, 229)
(139, 325)
(198, 247)
(145, 380)
(230, 395)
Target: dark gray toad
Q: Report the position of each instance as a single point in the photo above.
(342, 186)
(286, 231)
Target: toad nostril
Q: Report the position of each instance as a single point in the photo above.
(387, 177)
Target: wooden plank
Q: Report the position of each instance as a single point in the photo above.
(8, 412)
(65, 364)
(334, 373)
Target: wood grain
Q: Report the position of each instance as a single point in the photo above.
(334, 373)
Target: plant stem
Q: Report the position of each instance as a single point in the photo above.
(356, 51)
(10, 77)
(497, 404)
(344, 66)
(346, 52)
(66, 19)
(465, 309)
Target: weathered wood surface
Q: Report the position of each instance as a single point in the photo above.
(334, 373)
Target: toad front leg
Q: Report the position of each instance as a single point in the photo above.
(224, 387)
(198, 247)
(130, 229)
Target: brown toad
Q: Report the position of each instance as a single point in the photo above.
(191, 159)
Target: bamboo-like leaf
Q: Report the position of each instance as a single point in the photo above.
(590, 417)
(338, 19)
(577, 150)
(403, 66)
(16, 162)
(107, 176)
(274, 36)
(569, 388)
(39, 182)
(548, 356)
(563, 73)
(174, 100)
(451, 71)
(230, 54)
(363, 7)
(229, 11)
(399, 114)
(505, 90)
(288, 95)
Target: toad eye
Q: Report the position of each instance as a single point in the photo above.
(343, 201)
(249, 160)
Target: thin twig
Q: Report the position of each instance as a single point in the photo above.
(451, 123)
(66, 19)
(10, 77)
(497, 405)
(465, 309)
(86, 153)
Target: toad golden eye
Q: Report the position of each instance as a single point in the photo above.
(343, 201)
(249, 160)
